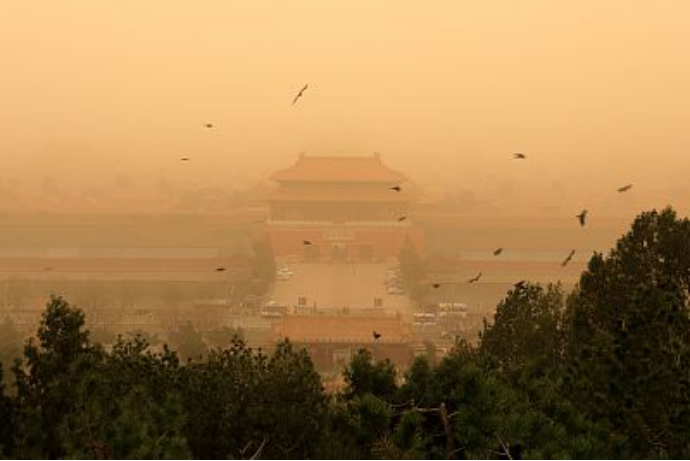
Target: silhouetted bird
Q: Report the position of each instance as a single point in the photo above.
(185, 159)
(402, 218)
(376, 334)
(498, 251)
(519, 156)
(568, 259)
(436, 285)
(396, 188)
(220, 269)
(582, 217)
(299, 95)
(520, 285)
(625, 188)
(475, 279)
(208, 125)
(306, 242)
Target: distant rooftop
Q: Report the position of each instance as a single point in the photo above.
(339, 169)
(343, 329)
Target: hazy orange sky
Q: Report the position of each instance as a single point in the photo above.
(596, 92)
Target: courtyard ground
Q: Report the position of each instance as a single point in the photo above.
(340, 285)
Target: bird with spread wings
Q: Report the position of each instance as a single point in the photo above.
(299, 95)
(475, 279)
(568, 259)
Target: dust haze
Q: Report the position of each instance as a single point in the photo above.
(362, 229)
(101, 99)
(139, 142)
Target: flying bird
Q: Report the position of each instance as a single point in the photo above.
(396, 188)
(307, 242)
(402, 218)
(436, 285)
(220, 269)
(625, 188)
(520, 285)
(475, 279)
(376, 335)
(185, 159)
(519, 156)
(568, 259)
(299, 95)
(582, 217)
(208, 125)
(498, 251)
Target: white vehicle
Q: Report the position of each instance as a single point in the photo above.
(452, 314)
(273, 310)
(282, 277)
(424, 318)
(392, 290)
(393, 283)
(453, 308)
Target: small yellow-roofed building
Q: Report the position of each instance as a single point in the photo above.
(332, 340)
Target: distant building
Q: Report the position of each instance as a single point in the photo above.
(343, 206)
(332, 341)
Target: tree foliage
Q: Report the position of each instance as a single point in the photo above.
(602, 372)
(75, 400)
(7, 418)
(188, 342)
(528, 329)
(414, 272)
(629, 338)
(10, 342)
(263, 265)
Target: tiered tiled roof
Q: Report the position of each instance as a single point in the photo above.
(339, 169)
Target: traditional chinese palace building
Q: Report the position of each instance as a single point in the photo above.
(343, 207)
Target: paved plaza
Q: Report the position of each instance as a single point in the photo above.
(336, 286)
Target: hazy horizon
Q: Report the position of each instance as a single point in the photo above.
(109, 95)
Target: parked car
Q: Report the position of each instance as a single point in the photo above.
(284, 273)
(394, 290)
(273, 310)
(285, 270)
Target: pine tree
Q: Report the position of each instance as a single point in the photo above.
(629, 338)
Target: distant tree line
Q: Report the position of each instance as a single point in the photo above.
(602, 372)
(263, 266)
(414, 272)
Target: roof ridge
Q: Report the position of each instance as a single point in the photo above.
(339, 168)
(341, 157)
